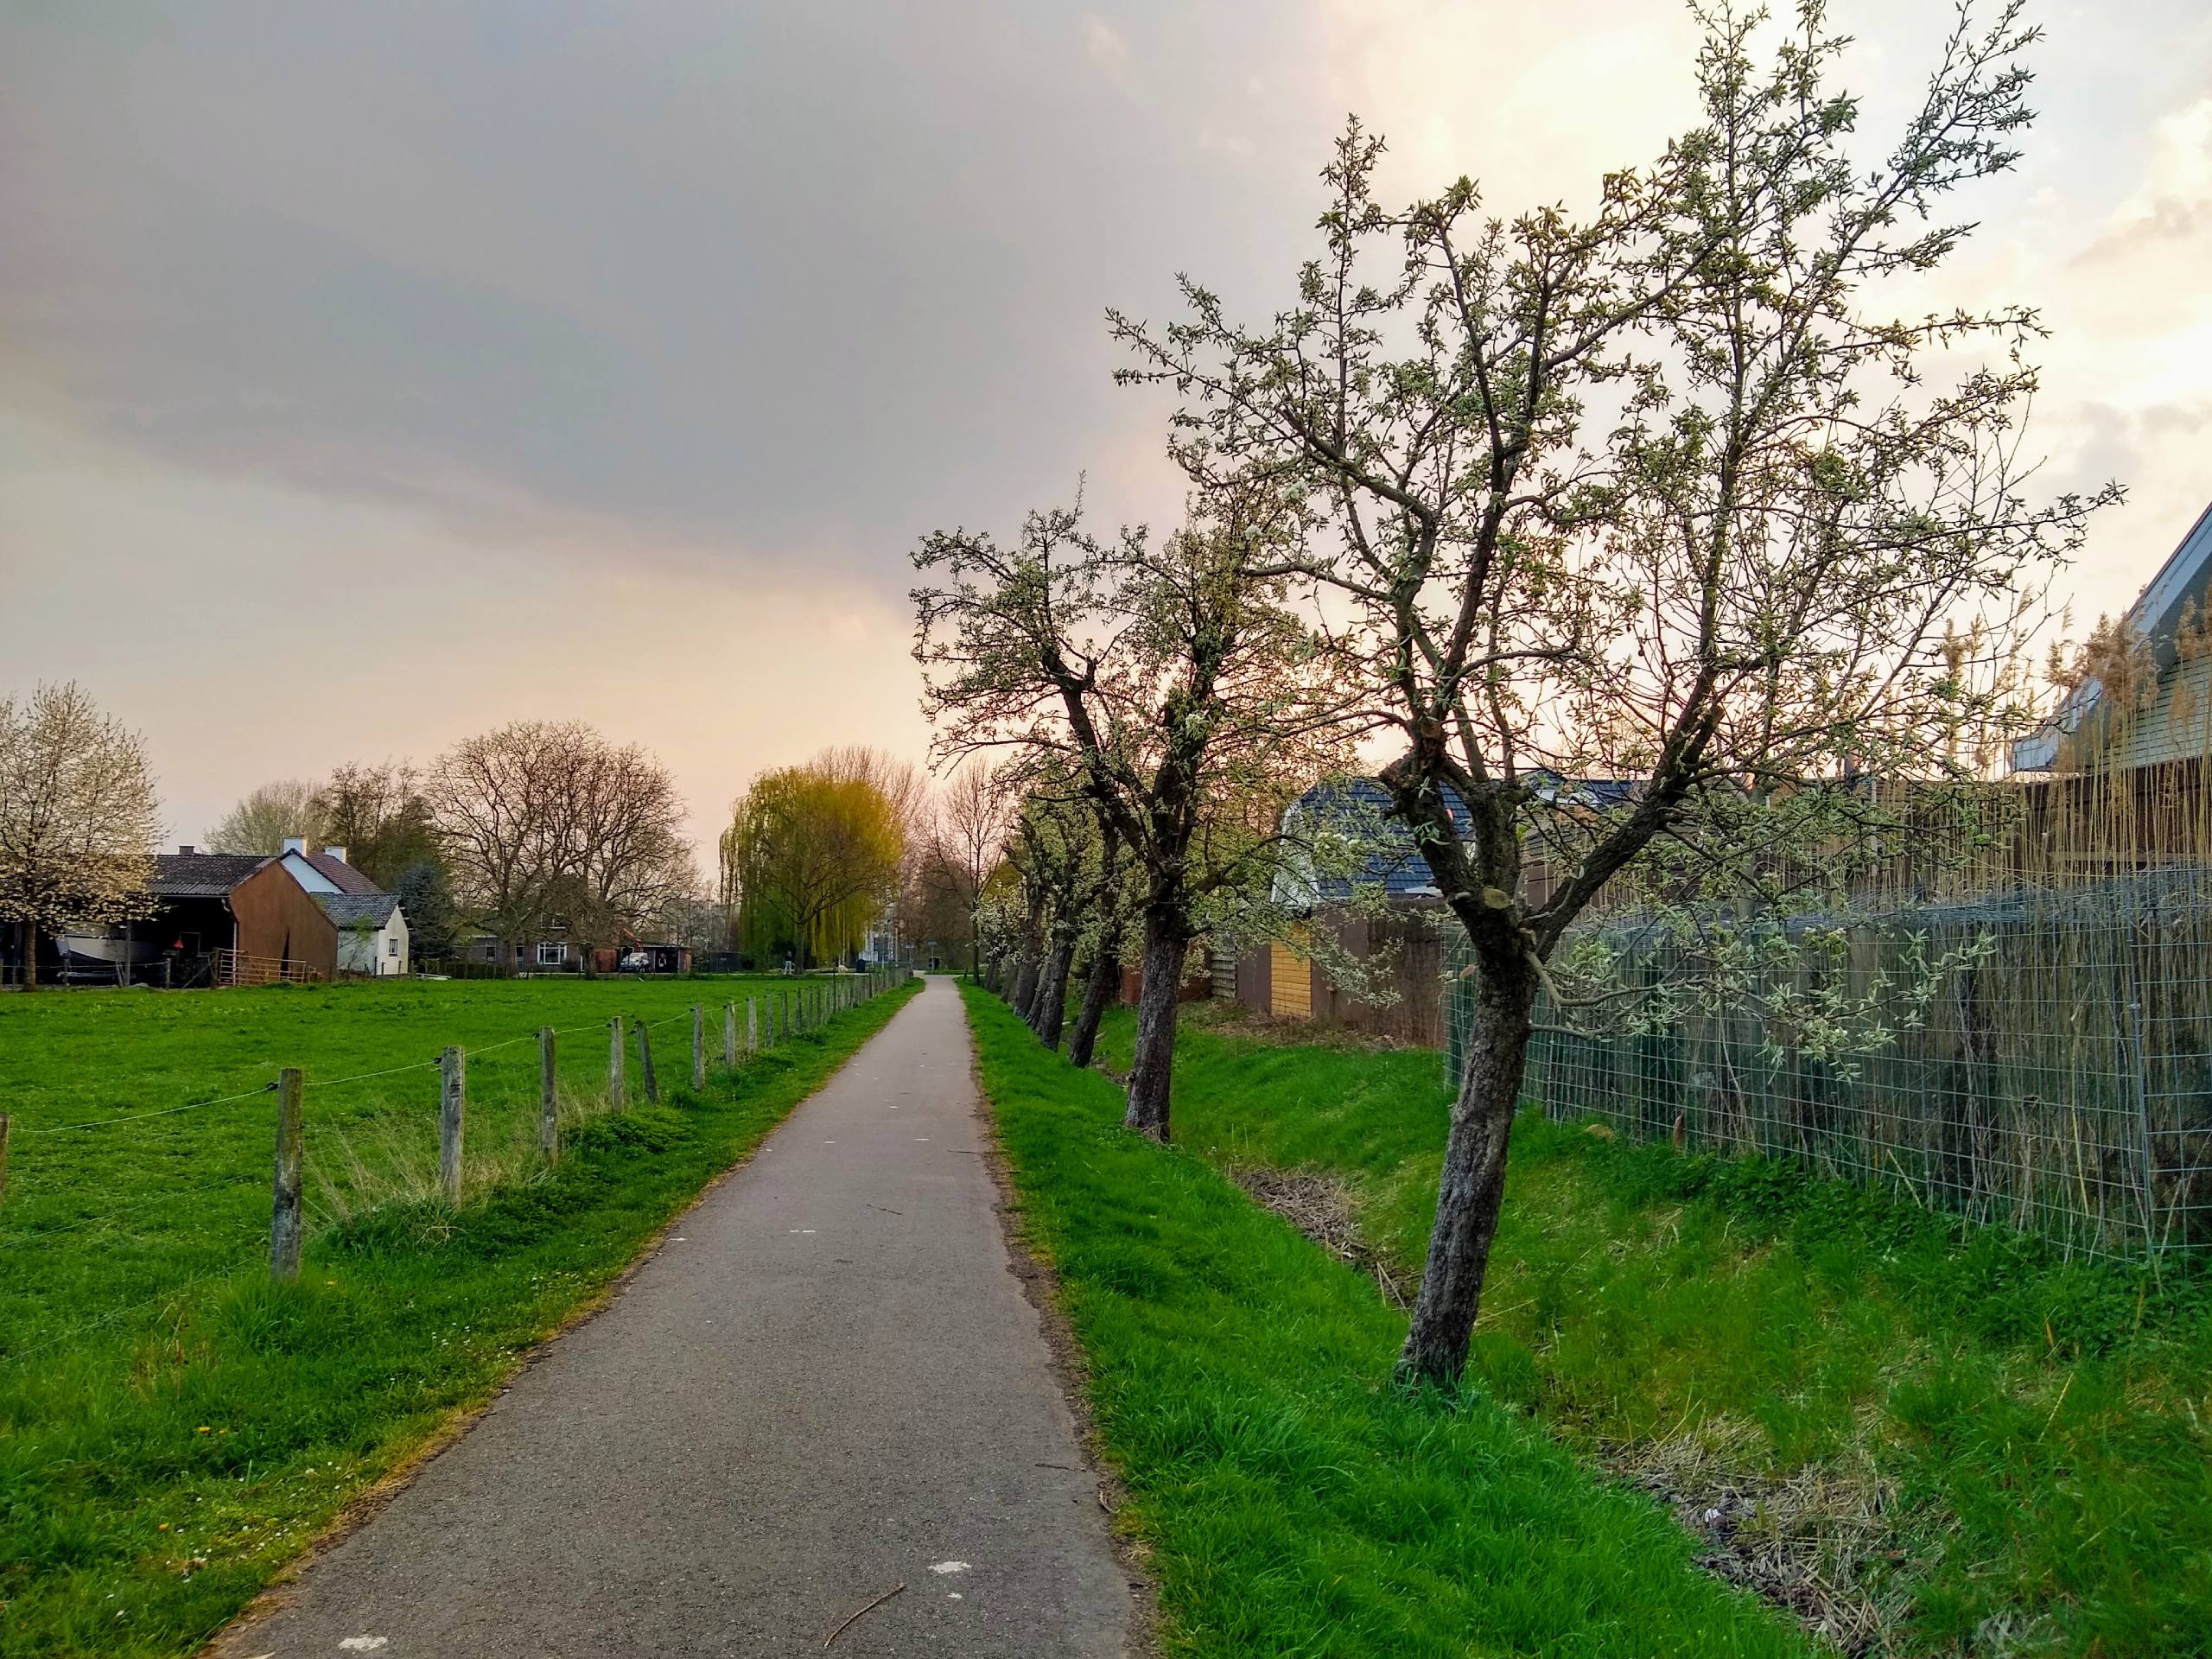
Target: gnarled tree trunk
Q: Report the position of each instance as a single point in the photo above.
(1472, 1185)
(1099, 987)
(1053, 996)
(1025, 983)
(1166, 938)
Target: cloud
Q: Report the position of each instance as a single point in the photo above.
(1106, 47)
(618, 356)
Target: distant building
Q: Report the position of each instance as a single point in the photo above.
(2169, 617)
(371, 927)
(224, 919)
(371, 932)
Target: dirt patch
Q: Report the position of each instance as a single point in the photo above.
(1320, 1207)
(1820, 1543)
(1250, 1025)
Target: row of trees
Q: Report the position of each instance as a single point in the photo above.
(537, 824)
(534, 825)
(1656, 493)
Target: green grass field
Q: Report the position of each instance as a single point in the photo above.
(2007, 1453)
(172, 1426)
(1293, 1502)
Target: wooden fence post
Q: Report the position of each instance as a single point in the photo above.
(646, 1063)
(4, 1157)
(729, 1035)
(453, 1077)
(284, 1211)
(753, 1025)
(617, 1090)
(549, 1097)
(698, 1045)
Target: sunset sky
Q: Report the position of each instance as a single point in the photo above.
(372, 375)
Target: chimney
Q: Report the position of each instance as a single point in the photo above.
(185, 846)
(296, 844)
(337, 853)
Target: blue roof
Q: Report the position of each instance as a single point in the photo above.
(1395, 865)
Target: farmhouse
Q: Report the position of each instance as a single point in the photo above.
(550, 950)
(225, 918)
(371, 929)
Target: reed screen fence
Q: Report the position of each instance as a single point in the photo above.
(2058, 1079)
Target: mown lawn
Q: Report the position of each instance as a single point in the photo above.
(174, 1427)
(2017, 1447)
(1293, 1501)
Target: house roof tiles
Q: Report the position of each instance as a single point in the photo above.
(200, 876)
(357, 909)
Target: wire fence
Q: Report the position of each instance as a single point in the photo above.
(2041, 1058)
(455, 1126)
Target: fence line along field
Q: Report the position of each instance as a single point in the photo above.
(182, 1407)
(141, 1127)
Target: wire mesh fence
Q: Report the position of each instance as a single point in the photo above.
(110, 1221)
(2051, 1068)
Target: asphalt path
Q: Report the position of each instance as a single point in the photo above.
(827, 1382)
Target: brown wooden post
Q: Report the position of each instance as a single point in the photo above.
(291, 1146)
(646, 1063)
(618, 1091)
(549, 1097)
(729, 1035)
(752, 1024)
(698, 1045)
(452, 1091)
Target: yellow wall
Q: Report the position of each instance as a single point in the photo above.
(1290, 984)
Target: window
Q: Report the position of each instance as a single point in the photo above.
(391, 947)
(552, 955)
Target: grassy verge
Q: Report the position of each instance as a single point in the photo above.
(2011, 1454)
(159, 1464)
(1293, 1501)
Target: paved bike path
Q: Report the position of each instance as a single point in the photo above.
(826, 1381)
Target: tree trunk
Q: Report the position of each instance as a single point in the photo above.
(1053, 996)
(31, 955)
(1098, 990)
(1025, 983)
(1472, 1184)
(1166, 938)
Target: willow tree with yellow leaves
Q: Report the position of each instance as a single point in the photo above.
(811, 858)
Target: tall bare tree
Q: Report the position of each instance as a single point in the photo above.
(973, 818)
(261, 821)
(622, 857)
(78, 817)
(1784, 559)
(544, 821)
(377, 813)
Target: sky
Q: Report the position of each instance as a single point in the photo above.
(370, 376)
